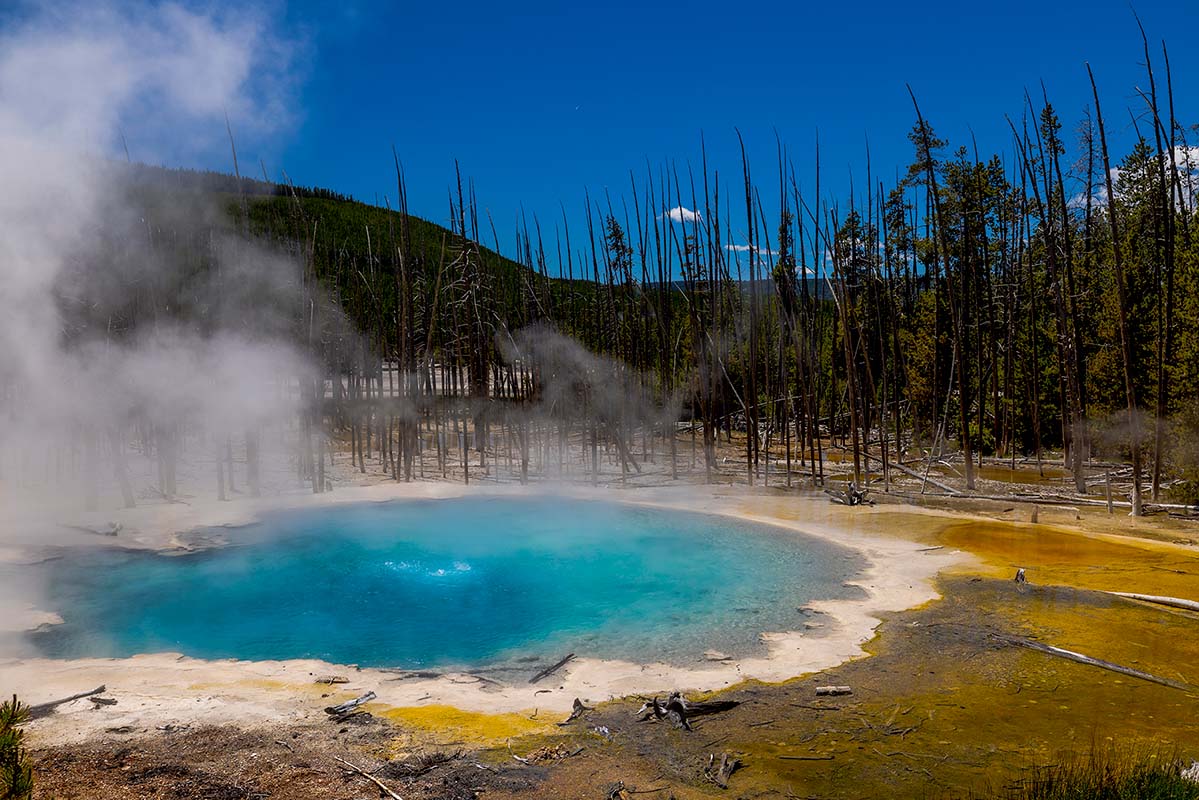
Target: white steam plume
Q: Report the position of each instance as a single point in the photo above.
(85, 355)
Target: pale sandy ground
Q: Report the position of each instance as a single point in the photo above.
(168, 689)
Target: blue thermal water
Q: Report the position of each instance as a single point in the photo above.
(472, 582)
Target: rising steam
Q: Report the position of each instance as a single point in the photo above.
(110, 333)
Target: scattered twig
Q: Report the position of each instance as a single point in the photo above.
(383, 787)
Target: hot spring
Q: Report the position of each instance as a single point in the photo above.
(453, 583)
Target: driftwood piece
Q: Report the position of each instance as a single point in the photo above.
(383, 787)
(344, 708)
(680, 712)
(1173, 602)
(331, 679)
(825, 757)
(853, 496)
(552, 669)
(719, 772)
(44, 709)
(577, 711)
(1094, 662)
(833, 691)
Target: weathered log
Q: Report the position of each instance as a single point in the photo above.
(1174, 602)
(331, 679)
(1070, 655)
(833, 690)
(552, 669)
(339, 710)
(911, 473)
(44, 709)
(828, 757)
(679, 711)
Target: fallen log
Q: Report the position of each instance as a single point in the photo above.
(44, 709)
(923, 478)
(1079, 658)
(1173, 602)
(337, 711)
(833, 691)
(914, 474)
(552, 669)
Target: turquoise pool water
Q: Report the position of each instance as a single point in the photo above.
(463, 583)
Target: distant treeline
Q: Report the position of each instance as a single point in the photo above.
(209, 181)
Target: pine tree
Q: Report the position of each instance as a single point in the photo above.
(16, 773)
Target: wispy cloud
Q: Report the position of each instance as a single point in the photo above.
(745, 248)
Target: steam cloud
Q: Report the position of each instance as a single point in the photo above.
(85, 354)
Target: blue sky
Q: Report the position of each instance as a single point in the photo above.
(542, 101)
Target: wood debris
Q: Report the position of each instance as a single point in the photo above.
(719, 772)
(43, 709)
(552, 669)
(679, 712)
(331, 679)
(577, 711)
(383, 787)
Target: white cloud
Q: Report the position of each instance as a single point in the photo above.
(745, 248)
(684, 215)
